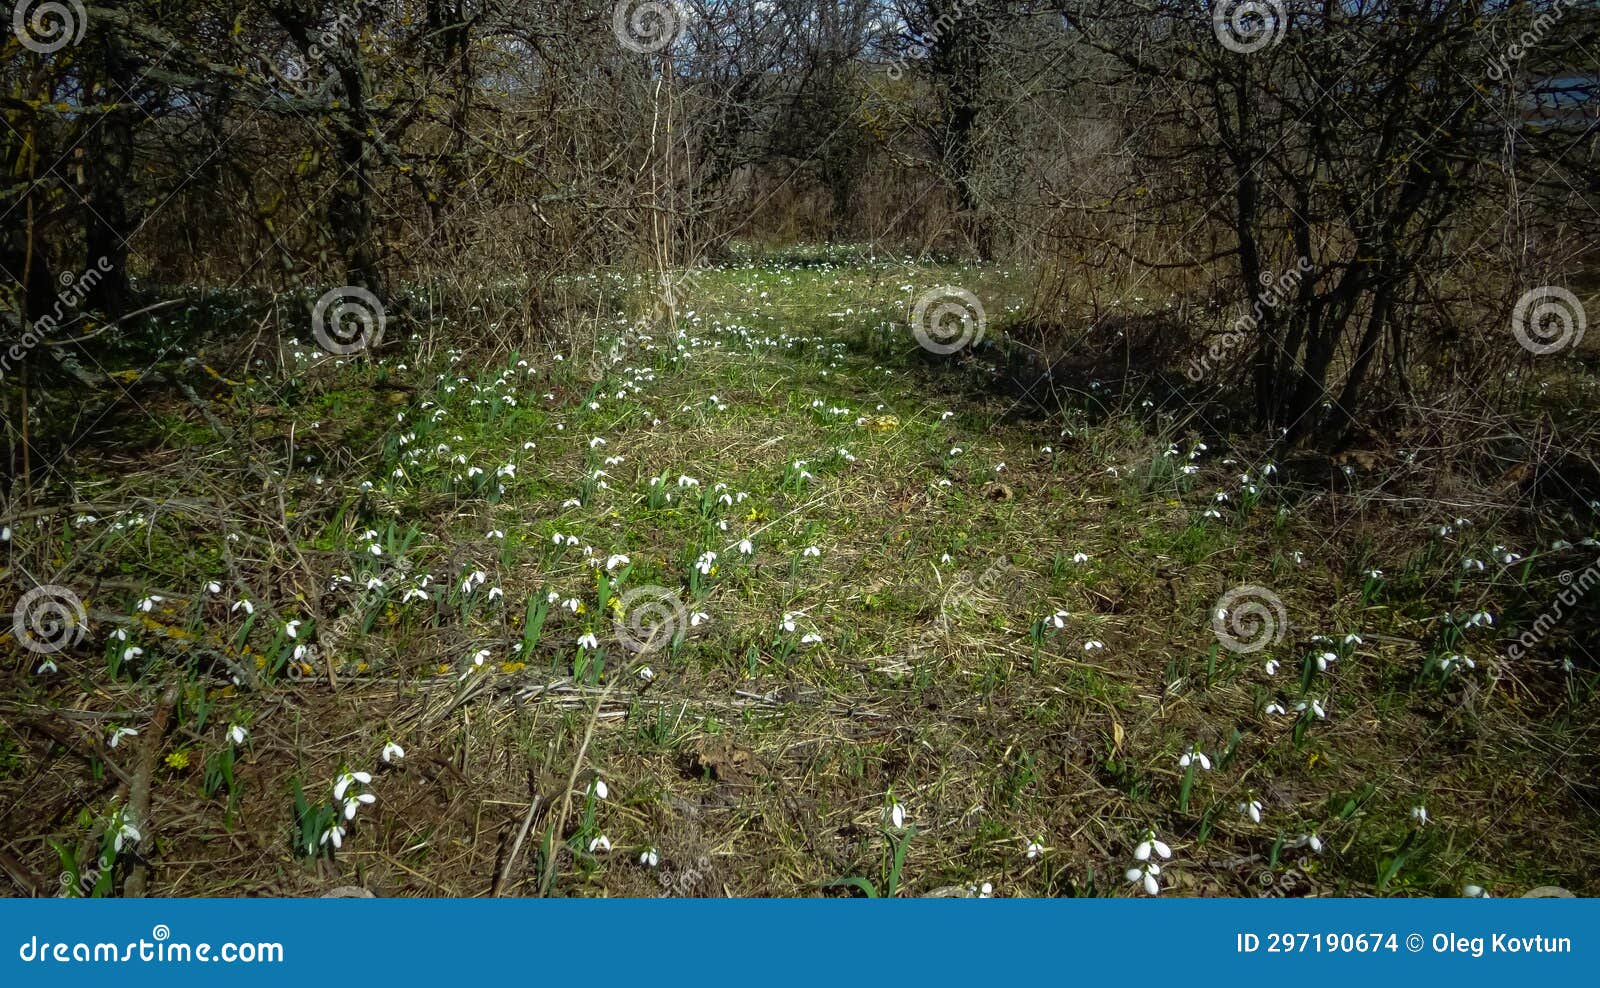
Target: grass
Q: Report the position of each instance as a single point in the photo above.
(751, 760)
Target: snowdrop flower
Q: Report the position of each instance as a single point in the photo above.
(1315, 707)
(126, 833)
(292, 629)
(746, 547)
(1419, 814)
(1059, 619)
(1353, 640)
(392, 753)
(600, 845)
(148, 604)
(1275, 709)
(1093, 645)
(1194, 756)
(810, 638)
(647, 674)
(896, 815)
(616, 560)
(650, 858)
(788, 622)
(1472, 565)
(1034, 851)
(509, 470)
(120, 733)
(46, 667)
(1480, 620)
(811, 551)
(1312, 841)
(1252, 809)
(1475, 892)
(588, 640)
(1272, 667)
(1080, 558)
(244, 605)
(601, 790)
(1147, 876)
(237, 734)
(348, 779)
(1325, 659)
(986, 891)
(698, 618)
(355, 802)
(213, 588)
(1151, 845)
(333, 835)
(495, 533)
(495, 593)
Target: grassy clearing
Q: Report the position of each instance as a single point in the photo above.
(994, 629)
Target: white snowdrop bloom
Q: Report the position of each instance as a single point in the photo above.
(392, 753)
(596, 441)
(947, 416)
(1315, 707)
(213, 588)
(131, 652)
(1298, 557)
(811, 551)
(480, 656)
(1252, 809)
(374, 583)
(1046, 450)
(1080, 558)
(896, 815)
(1211, 513)
(126, 834)
(955, 451)
(495, 533)
(601, 790)
(698, 618)
(1472, 565)
(557, 539)
(788, 622)
(1353, 640)
(355, 803)
(1272, 667)
(999, 468)
(530, 445)
(1419, 814)
(148, 604)
(333, 835)
(1480, 620)
(572, 604)
(746, 547)
(945, 558)
(1314, 842)
(348, 779)
(1151, 844)
(646, 674)
(292, 629)
(650, 858)
(810, 638)
(413, 594)
(1093, 645)
(5, 533)
(1275, 709)
(686, 481)
(1375, 574)
(1194, 756)
(495, 593)
(509, 470)
(1326, 659)
(121, 635)
(118, 734)
(1034, 851)
(46, 667)
(1475, 892)
(474, 472)
(375, 549)
(588, 640)
(237, 734)
(1146, 875)
(1059, 619)
(986, 891)
(612, 562)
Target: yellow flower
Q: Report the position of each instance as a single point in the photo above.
(178, 760)
(510, 668)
